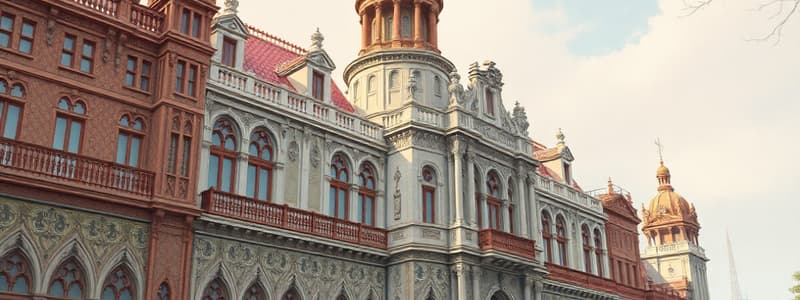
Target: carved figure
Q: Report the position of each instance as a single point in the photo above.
(397, 195)
(520, 118)
(456, 89)
(412, 86)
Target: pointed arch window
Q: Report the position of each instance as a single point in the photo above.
(215, 290)
(15, 274)
(68, 281)
(222, 162)
(260, 165)
(118, 286)
(10, 109)
(129, 140)
(255, 292)
(70, 118)
(547, 236)
(561, 239)
(366, 194)
(598, 251)
(428, 195)
(587, 248)
(493, 200)
(291, 294)
(339, 187)
(163, 292)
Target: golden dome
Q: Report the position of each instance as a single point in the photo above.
(662, 170)
(669, 206)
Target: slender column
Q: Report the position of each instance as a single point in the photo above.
(365, 36)
(537, 292)
(484, 212)
(396, 24)
(476, 284)
(522, 205)
(432, 20)
(527, 293)
(458, 186)
(378, 23)
(461, 280)
(506, 216)
(418, 24)
(473, 209)
(533, 209)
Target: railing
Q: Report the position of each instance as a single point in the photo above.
(27, 159)
(304, 106)
(605, 190)
(285, 217)
(491, 239)
(107, 7)
(147, 19)
(594, 282)
(567, 192)
(679, 246)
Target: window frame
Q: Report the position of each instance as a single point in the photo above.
(9, 32)
(490, 105)
(6, 101)
(229, 49)
(127, 285)
(130, 132)
(89, 58)
(186, 81)
(337, 186)
(598, 251)
(547, 236)
(22, 37)
(429, 188)
(366, 194)
(24, 272)
(318, 85)
(68, 51)
(561, 239)
(70, 117)
(191, 23)
(493, 203)
(257, 162)
(222, 153)
(80, 280)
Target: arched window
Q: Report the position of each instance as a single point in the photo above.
(291, 294)
(255, 292)
(493, 200)
(394, 80)
(118, 286)
(587, 248)
(598, 251)
(489, 102)
(10, 109)
(15, 274)
(511, 205)
(163, 292)
(215, 290)
(341, 297)
(366, 194)
(340, 187)
(372, 84)
(437, 86)
(499, 296)
(222, 162)
(428, 195)
(259, 166)
(68, 281)
(129, 140)
(561, 239)
(70, 118)
(547, 236)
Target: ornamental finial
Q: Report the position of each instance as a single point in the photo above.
(316, 40)
(560, 136)
(231, 7)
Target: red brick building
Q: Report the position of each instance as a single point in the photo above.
(100, 112)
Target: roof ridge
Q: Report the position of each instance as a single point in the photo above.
(265, 36)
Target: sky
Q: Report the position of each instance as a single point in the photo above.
(616, 75)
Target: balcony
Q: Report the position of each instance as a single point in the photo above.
(129, 11)
(292, 219)
(491, 239)
(37, 162)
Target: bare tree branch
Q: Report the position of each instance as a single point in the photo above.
(695, 5)
(777, 30)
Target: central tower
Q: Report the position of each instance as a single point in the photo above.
(399, 61)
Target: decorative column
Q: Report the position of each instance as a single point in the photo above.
(460, 270)
(534, 209)
(537, 292)
(528, 286)
(522, 206)
(458, 184)
(365, 36)
(476, 284)
(418, 24)
(506, 215)
(473, 209)
(432, 20)
(484, 212)
(378, 23)
(396, 24)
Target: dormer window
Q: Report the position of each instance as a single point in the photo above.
(489, 102)
(567, 174)
(229, 52)
(318, 85)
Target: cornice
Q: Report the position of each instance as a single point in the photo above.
(398, 56)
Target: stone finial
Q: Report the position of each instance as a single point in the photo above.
(610, 186)
(560, 136)
(316, 41)
(231, 7)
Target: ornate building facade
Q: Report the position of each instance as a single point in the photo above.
(240, 170)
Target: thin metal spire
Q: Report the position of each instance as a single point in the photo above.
(736, 293)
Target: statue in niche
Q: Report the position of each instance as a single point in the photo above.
(456, 89)
(397, 195)
(412, 86)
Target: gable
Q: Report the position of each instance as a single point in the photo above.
(231, 24)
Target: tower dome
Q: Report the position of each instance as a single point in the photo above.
(393, 24)
(669, 214)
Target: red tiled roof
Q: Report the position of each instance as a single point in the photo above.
(547, 172)
(263, 54)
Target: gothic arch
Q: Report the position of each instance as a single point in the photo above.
(225, 277)
(123, 259)
(348, 160)
(71, 250)
(497, 293)
(277, 143)
(293, 291)
(19, 241)
(256, 286)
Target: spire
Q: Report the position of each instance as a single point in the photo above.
(662, 173)
(736, 294)
(316, 41)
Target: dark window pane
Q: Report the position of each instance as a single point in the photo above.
(251, 181)
(263, 184)
(129, 79)
(86, 65)
(196, 23)
(27, 29)
(74, 136)
(185, 21)
(60, 133)
(6, 23)
(213, 171)
(144, 84)
(5, 39)
(122, 148)
(12, 121)
(227, 174)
